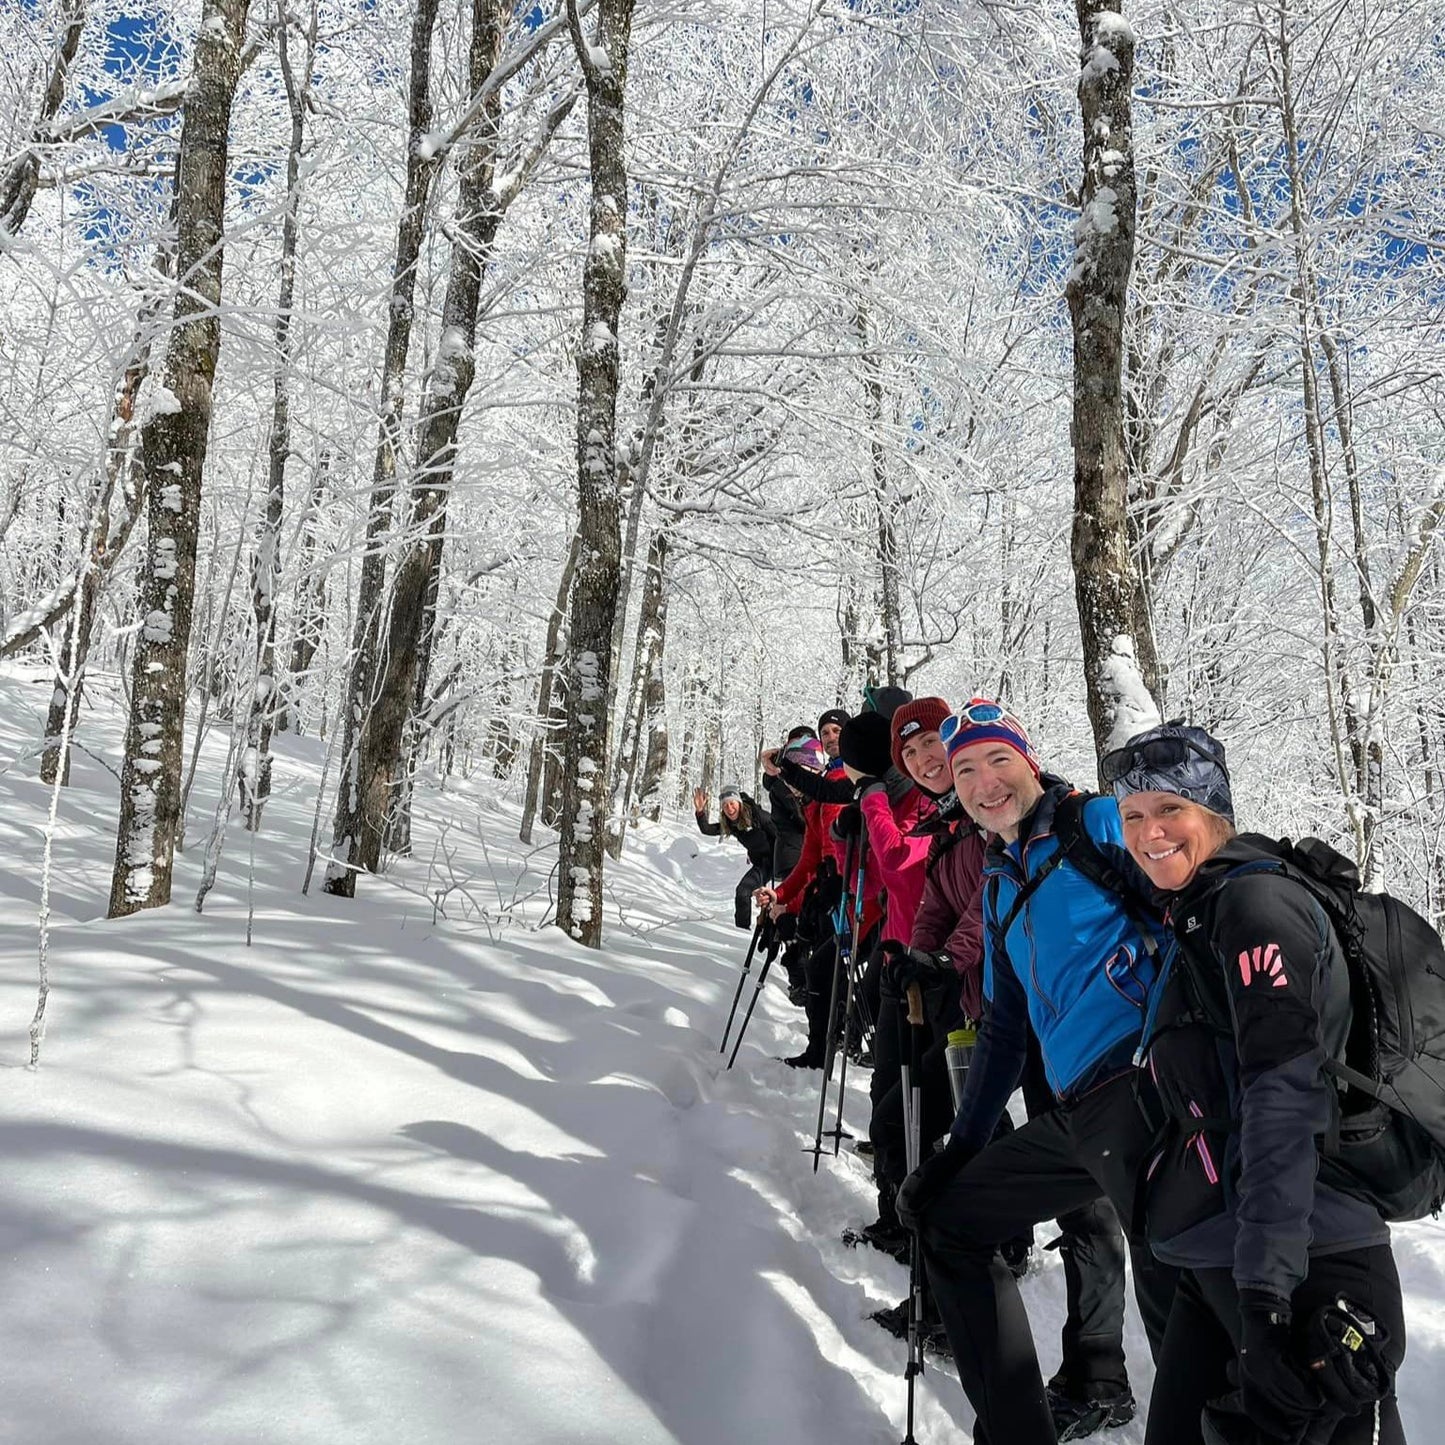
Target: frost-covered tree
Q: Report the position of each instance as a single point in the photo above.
(175, 430)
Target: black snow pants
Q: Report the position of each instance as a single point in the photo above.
(818, 972)
(1202, 1337)
(885, 1087)
(1064, 1160)
(748, 884)
(1090, 1242)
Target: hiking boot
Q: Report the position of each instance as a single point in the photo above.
(889, 1238)
(805, 1060)
(892, 1239)
(798, 994)
(894, 1319)
(864, 1148)
(931, 1336)
(1074, 1418)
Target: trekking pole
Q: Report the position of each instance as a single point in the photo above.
(769, 954)
(840, 959)
(913, 1149)
(742, 979)
(838, 1133)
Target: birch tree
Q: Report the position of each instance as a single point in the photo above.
(588, 660)
(356, 838)
(1119, 680)
(254, 772)
(174, 436)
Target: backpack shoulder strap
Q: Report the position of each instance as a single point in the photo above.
(1088, 858)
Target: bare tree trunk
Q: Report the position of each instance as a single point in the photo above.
(890, 610)
(123, 466)
(379, 742)
(481, 205)
(310, 605)
(356, 839)
(646, 685)
(654, 715)
(542, 741)
(175, 436)
(691, 728)
(253, 776)
(1105, 583)
(21, 178)
(594, 593)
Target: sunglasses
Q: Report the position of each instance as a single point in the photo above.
(976, 714)
(1155, 755)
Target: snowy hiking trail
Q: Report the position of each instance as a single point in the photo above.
(380, 1178)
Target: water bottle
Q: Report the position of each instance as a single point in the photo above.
(959, 1054)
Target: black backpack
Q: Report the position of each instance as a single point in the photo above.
(1390, 1147)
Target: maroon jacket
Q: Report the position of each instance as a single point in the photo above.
(950, 913)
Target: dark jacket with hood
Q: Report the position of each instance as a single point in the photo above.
(1237, 1032)
(786, 809)
(754, 830)
(950, 914)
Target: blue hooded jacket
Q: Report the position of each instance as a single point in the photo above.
(1073, 966)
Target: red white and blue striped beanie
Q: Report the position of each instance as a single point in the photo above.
(1005, 729)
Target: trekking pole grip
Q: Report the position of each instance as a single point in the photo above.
(915, 1005)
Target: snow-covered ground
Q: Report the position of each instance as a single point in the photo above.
(390, 1174)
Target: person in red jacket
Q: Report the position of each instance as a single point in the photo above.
(895, 810)
(803, 902)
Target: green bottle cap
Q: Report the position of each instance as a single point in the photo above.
(963, 1038)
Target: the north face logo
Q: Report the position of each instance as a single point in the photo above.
(1263, 963)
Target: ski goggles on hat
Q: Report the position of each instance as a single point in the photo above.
(1172, 759)
(1158, 754)
(973, 714)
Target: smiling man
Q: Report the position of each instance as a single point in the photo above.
(1065, 959)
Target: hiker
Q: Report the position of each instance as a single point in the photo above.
(1063, 956)
(785, 802)
(741, 818)
(1278, 1256)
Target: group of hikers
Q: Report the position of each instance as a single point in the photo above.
(1174, 1000)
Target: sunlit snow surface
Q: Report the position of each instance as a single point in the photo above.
(388, 1180)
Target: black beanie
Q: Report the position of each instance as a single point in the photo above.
(833, 715)
(867, 744)
(885, 700)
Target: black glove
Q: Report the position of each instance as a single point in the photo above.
(1276, 1394)
(918, 1192)
(848, 823)
(785, 927)
(907, 966)
(1347, 1360)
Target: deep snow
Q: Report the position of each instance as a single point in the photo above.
(393, 1176)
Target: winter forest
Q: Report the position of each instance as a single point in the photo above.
(550, 404)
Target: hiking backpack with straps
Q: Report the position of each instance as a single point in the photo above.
(1389, 1147)
(1391, 1139)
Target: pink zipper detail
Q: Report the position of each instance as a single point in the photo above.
(1201, 1148)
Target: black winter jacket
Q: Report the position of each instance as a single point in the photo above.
(758, 838)
(786, 809)
(1238, 1028)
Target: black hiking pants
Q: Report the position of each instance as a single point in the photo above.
(885, 1087)
(1062, 1161)
(1201, 1340)
(818, 973)
(748, 884)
